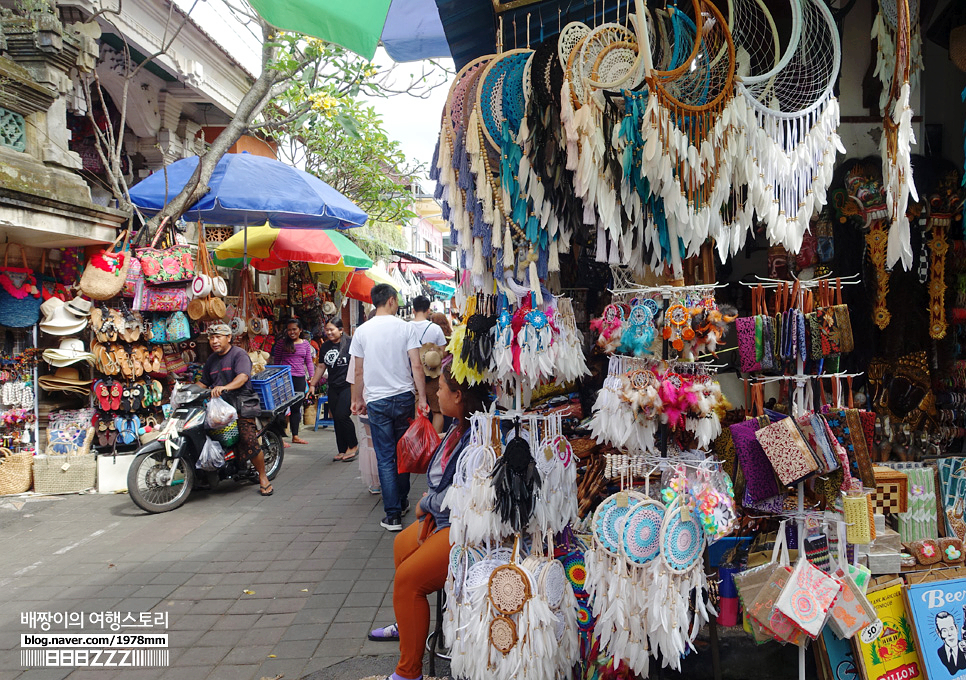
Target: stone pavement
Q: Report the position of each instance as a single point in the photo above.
(254, 587)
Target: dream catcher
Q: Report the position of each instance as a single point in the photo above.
(465, 192)
(792, 145)
(636, 339)
(885, 29)
(677, 325)
(687, 131)
(569, 361)
(471, 499)
(476, 352)
(558, 474)
(627, 407)
(533, 359)
(610, 328)
(895, 146)
(516, 483)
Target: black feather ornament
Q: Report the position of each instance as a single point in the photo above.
(516, 482)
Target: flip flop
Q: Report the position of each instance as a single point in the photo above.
(263, 492)
(348, 458)
(298, 440)
(388, 633)
(337, 457)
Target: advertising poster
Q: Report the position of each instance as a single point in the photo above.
(938, 612)
(893, 655)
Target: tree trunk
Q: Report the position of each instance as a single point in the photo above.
(251, 104)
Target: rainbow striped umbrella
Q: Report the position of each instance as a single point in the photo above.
(270, 248)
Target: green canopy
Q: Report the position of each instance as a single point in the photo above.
(356, 25)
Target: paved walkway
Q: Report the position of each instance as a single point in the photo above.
(253, 587)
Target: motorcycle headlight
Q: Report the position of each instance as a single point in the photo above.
(196, 420)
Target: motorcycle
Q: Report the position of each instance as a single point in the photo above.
(164, 472)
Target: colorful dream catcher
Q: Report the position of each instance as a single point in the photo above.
(687, 131)
(636, 339)
(677, 325)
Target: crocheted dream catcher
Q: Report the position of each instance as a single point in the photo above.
(636, 339)
(515, 483)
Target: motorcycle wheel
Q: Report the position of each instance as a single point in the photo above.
(274, 451)
(147, 482)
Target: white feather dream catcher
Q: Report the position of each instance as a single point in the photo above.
(884, 30)
(556, 507)
(792, 119)
(895, 147)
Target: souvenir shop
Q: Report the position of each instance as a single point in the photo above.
(727, 353)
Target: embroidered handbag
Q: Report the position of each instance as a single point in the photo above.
(162, 299)
(808, 596)
(789, 453)
(173, 264)
(173, 361)
(747, 327)
(105, 273)
(159, 329)
(178, 328)
(760, 482)
(20, 297)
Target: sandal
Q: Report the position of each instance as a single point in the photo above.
(298, 440)
(348, 457)
(389, 633)
(265, 490)
(337, 457)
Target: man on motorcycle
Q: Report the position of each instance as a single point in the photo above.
(227, 372)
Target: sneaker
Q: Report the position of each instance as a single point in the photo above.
(375, 490)
(405, 509)
(391, 523)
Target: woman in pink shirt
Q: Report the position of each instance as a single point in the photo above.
(292, 350)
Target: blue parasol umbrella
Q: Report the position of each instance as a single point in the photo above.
(248, 189)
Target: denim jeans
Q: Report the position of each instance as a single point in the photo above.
(388, 421)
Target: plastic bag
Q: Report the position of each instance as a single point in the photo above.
(212, 456)
(415, 450)
(220, 414)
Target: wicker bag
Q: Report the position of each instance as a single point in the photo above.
(957, 47)
(15, 472)
(106, 272)
(65, 474)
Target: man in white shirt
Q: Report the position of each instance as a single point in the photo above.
(387, 372)
(426, 330)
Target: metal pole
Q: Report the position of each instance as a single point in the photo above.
(36, 399)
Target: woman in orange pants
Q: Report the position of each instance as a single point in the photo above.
(421, 552)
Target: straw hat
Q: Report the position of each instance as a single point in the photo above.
(431, 355)
(65, 379)
(59, 320)
(328, 308)
(71, 351)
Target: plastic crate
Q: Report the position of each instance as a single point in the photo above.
(274, 386)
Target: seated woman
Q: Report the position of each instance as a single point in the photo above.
(421, 552)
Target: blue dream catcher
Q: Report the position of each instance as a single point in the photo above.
(639, 333)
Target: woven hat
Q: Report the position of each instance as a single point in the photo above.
(58, 320)
(65, 379)
(328, 308)
(219, 329)
(71, 351)
(79, 306)
(431, 355)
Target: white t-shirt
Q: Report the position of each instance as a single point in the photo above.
(427, 331)
(383, 342)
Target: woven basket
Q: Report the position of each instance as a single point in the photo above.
(50, 475)
(15, 472)
(83, 449)
(98, 284)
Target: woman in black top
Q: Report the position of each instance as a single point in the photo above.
(334, 359)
